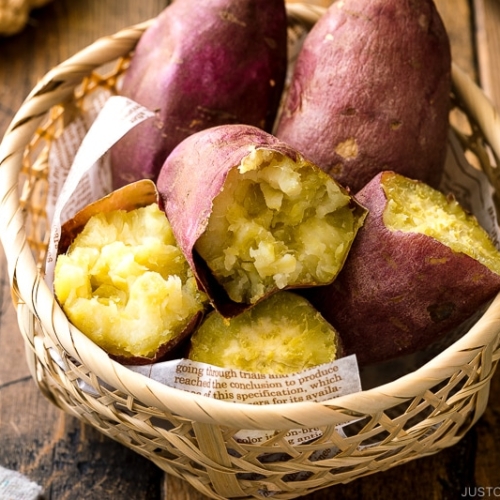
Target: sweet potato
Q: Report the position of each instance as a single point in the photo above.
(371, 92)
(201, 64)
(252, 216)
(418, 268)
(281, 335)
(121, 279)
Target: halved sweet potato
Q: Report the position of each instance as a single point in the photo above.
(419, 267)
(122, 280)
(371, 92)
(201, 64)
(252, 216)
(283, 334)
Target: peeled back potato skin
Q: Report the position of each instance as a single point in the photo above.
(201, 64)
(252, 216)
(401, 289)
(371, 92)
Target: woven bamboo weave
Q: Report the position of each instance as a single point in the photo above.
(192, 436)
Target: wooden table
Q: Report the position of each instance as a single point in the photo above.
(72, 460)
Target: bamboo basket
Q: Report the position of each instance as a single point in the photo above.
(192, 436)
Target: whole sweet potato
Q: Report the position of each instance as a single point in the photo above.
(419, 267)
(370, 92)
(201, 64)
(252, 216)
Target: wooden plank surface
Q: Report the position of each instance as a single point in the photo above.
(72, 460)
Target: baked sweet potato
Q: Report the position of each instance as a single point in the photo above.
(201, 64)
(121, 279)
(418, 268)
(252, 216)
(283, 334)
(371, 92)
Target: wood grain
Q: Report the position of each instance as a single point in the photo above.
(72, 460)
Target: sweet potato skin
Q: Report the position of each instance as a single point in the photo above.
(370, 92)
(398, 292)
(201, 64)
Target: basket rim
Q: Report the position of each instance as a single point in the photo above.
(58, 85)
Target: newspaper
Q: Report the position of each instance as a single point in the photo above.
(320, 383)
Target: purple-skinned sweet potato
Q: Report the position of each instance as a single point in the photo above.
(201, 64)
(252, 216)
(371, 92)
(419, 267)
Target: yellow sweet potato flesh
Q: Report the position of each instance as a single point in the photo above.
(125, 284)
(410, 201)
(282, 334)
(276, 224)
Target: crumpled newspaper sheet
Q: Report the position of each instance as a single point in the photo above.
(16, 486)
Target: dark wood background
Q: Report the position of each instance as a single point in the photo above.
(72, 460)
